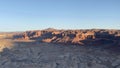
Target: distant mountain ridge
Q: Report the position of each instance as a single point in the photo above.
(50, 29)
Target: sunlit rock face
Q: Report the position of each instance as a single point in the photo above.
(5, 41)
(5, 44)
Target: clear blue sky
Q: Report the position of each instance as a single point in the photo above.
(21, 15)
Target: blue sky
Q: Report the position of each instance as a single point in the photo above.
(22, 15)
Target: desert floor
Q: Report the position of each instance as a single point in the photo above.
(32, 54)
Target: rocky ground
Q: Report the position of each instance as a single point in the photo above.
(46, 55)
(32, 53)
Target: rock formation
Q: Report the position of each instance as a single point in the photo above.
(80, 37)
